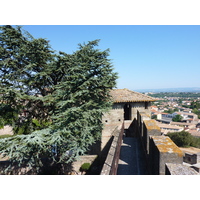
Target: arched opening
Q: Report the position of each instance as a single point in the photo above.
(127, 112)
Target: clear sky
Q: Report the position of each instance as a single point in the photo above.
(146, 57)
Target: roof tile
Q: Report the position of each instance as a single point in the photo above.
(125, 95)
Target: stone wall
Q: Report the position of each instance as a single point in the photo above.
(163, 156)
(115, 117)
(81, 160)
(111, 120)
(141, 107)
(190, 158)
(163, 150)
(159, 149)
(149, 129)
(111, 163)
(179, 169)
(116, 114)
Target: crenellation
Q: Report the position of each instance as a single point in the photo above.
(158, 149)
(149, 129)
(162, 151)
(111, 162)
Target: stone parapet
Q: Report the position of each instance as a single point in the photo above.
(163, 150)
(111, 163)
(141, 116)
(150, 128)
(179, 169)
(158, 149)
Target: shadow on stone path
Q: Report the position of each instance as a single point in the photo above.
(132, 160)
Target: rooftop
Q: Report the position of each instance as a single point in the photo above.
(184, 113)
(168, 126)
(194, 132)
(182, 123)
(125, 95)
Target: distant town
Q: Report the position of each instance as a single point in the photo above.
(161, 90)
(177, 111)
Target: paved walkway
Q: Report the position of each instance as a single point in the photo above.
(132, 161)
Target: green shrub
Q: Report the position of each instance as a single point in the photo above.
(39, 125)
(85, 167)
(184, 139)
(36, 123)
(22, 130)
(177, 118)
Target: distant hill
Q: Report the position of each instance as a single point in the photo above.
(191, 89)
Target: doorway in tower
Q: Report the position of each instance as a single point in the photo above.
(127, 111)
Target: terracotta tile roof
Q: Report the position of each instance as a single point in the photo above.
(194, 133)
(168, 126)
(125, 95)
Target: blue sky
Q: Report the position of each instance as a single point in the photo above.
(146, 57)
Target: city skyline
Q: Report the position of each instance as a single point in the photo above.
(146, 57)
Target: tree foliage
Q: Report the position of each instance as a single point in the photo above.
(177, 118)
(60, 98)
(184, 139)
(25, 75)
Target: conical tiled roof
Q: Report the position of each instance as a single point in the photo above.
(125, 95)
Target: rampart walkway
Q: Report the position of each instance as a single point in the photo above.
(131, 161)
(144, 151)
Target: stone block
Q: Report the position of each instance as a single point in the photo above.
(190, 158)
(179, 169)
(163, 150)
(150, 128)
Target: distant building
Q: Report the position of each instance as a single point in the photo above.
(167, 128)
(194, 132)
(154, 108)
(187, 116)
(165, 118)
(183, 124)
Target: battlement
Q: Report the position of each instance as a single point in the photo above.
(166, 145)
(159, 149)
(111, 162)
(163, 156)
(151, 125)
